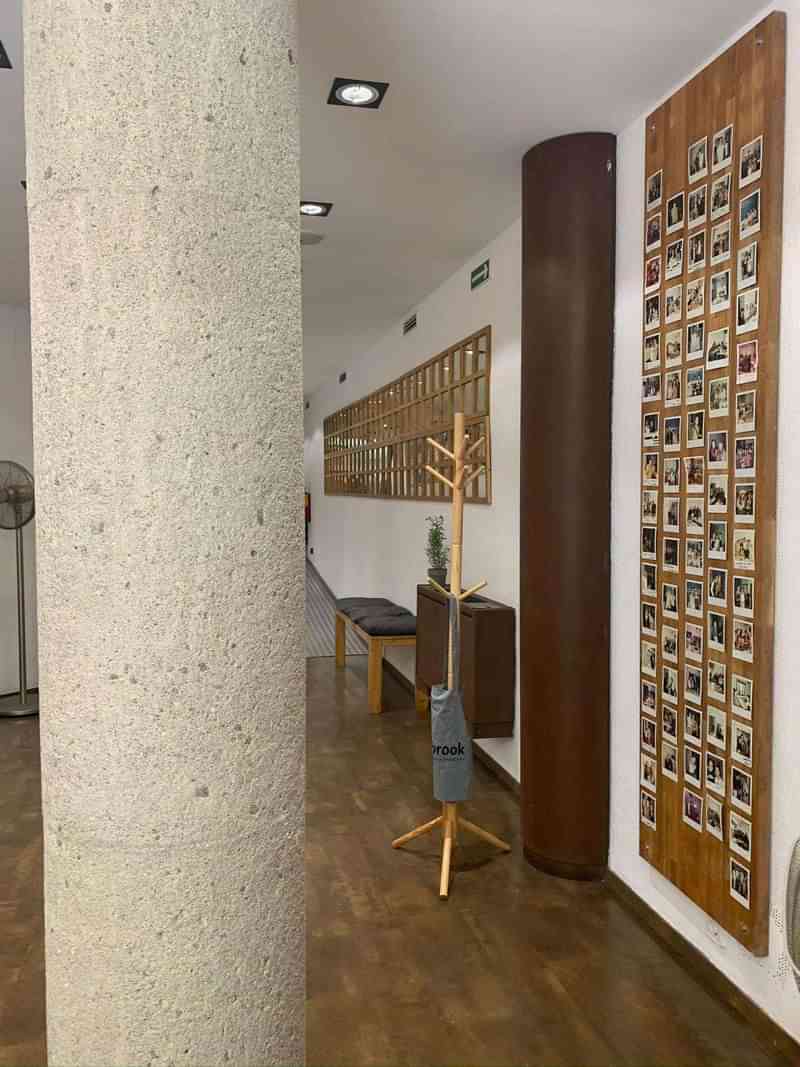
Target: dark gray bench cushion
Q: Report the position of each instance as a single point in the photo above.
(390, 625)
(348, 604)
(377, 616)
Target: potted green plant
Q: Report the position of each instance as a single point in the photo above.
(436, 549)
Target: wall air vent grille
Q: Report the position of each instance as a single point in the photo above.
(410, 324)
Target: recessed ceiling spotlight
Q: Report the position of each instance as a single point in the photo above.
(315, 208)
(356, 92)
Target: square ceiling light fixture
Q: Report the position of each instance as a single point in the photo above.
(315, 209)
(4, 60)
(356, 92)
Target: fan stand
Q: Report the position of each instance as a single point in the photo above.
(450, 820)
(28, 703)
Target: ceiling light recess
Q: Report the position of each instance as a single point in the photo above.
(357, 92)
(315, 209)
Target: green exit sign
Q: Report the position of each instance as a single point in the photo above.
(479, 275)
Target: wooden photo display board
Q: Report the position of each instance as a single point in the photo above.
(712, 272)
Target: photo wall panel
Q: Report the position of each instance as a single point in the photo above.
(711, 300)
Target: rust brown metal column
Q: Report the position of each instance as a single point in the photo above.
(568, 222)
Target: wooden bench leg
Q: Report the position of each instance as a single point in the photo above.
(341, 638)
(375, 676)
(422, 701)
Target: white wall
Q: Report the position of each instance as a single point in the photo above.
(760, 979)
(16, 443)
(377, 547)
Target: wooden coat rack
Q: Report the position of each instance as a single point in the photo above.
(450, 820)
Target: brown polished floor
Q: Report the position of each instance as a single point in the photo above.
(516, 968)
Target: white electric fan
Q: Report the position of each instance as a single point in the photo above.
(16, 511)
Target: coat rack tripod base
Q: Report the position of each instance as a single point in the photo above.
(28, 703)
(450, 820)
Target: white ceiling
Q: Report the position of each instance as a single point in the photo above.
(426, 181)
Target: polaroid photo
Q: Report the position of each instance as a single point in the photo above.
(720, 196)
(741, 836)
(669, 684)
(742, 695)
(673, 348)
(695, 298)
(669, 600)
(722, 149)
(669, 643)
(651, 356)
(648, 579)
(695, 340)
(717, 441)
(694, 517)
(695, 552)
(669, 722)
(647, 809)
(746, 412)
(650, 431)
(672, 474)
(672, 389)
(740, 884)
(747, 266)
(698, 159)
(695, 429)
(695, 472)
(693, 726)
(720, 291)
(718, 587)
(672, 555)
(654, 188)
(742, 743)
(697, 206)
(697, 251)
(695, 379)
(650, 468)
(673, 304)
(749, 215)
(751, 161)
(744, 457)
(717, 540)
(674, 260)
(672, 433)
(746, 362)
(743, 640)
(651, 388)
(743, 595)
(672, 514)
(744, 550)
(693, 766)
(741, 789)
(652, 237)
(649, 698)
(650, 506)
(652, 274)
(694, 641)
(716, 632)
(717, 728)
(649, 659)
(717, 680)
(718, 348)
(747, 311)
(669, 761)
(648, 618)
(717, 494)
(718, 398)
(694, 598)
(675, 213)
(649, 542)
(720, 242)
(693, 808)
(745, 502)
(652, 312)
(648, 771)
(693, 684)
(714, 818)
(715, 773)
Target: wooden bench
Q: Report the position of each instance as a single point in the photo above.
(379, 624)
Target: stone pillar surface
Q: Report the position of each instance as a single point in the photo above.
(163, 189)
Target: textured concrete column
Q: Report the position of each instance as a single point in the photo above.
(163, 201)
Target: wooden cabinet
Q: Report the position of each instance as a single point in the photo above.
(488, 658)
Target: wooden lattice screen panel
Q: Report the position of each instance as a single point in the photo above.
(712, 280)
(377, 447)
